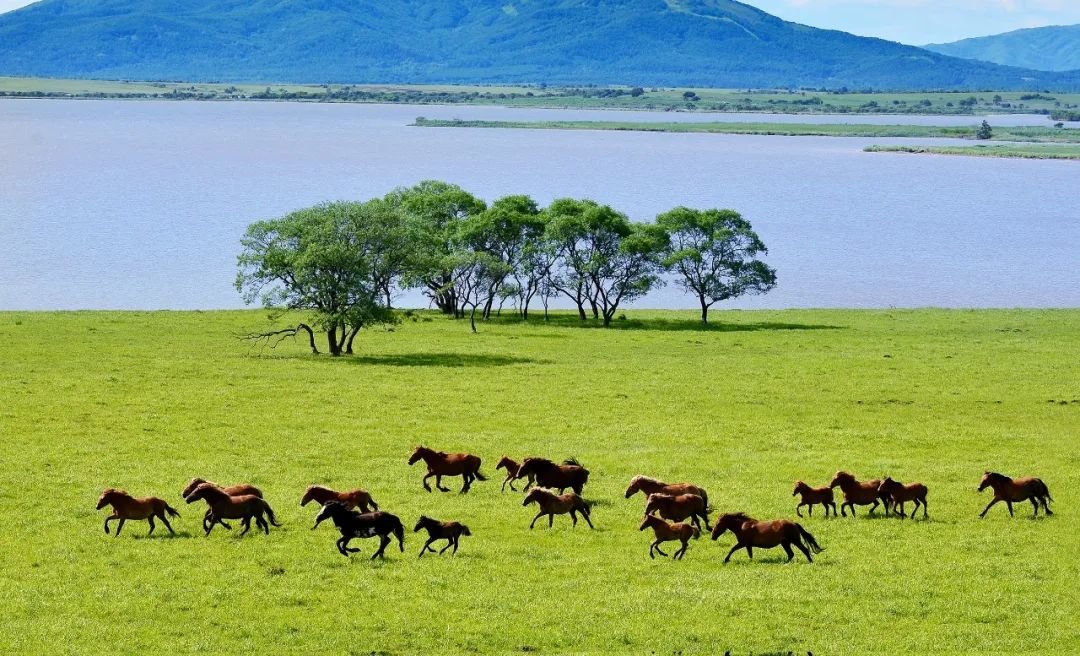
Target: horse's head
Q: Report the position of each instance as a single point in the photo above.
(634, 487)
(417, 454)
(655, 501)
(420, 523)
(646, 522)
(841, 478)
(192, 484)
(504, 463)
(331, 509)
(729, 522)
(799, 487)
(887, 486)
(990, 479)
(309, 495)
(204, 491)
(532, 497)
(107, 497)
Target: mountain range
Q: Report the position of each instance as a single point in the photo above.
(1054, 48)
(716, 43)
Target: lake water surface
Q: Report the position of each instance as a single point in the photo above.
(141, 205)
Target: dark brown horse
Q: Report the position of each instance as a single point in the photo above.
(449, 531)
(570, 474)
(512, 468)
(857, 493)
(653, 486)
(223, 506)
(127, 507)
(1013, 491)
(232, 490)
(665, 532)
(750, 533)
(440, 463)
(812, 496)
(679, 507)
(552, 504)
(897, 494)
(351, 499)
(352, 525)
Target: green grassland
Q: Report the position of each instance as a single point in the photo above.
(1020, 134)
(1021, 152)
(582, 97)
(145, 401)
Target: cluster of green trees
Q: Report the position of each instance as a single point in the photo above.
(343, 262)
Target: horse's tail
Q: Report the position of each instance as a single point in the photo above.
(374, 505)
(478, 475)
(172, 511)
(697, 532)
(269, 513)
(1045, 490)
(399, 531)
(465, 530)
(705, 498)
(810, 541)
(585, 506)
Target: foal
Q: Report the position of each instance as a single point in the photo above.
(857, 493)
(231, 490)
(665, 532)
(898, 493)
(449, 531)
(1014, 490)
(223, 506)
(352, 524)
(814, 495)
(513, 468)
(653, 486)
(677, 508)
(127, 507)
(440, 463)
(352, 499)
(552, 504)
(750, 533)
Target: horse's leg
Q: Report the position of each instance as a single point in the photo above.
(150, 520)
(694, 521)
(449, 543)
(843, 509)
(1046, 508)
(787, 548)
(427, 476)
(425, 547)
(802, 547)
(750, 551)
(873, 508)
(109, 519)
(454, 552)
(466, 482)
(119, 527)
(439, 485)
(1009, 505)
(733, 550)
(383, 541)
(705, 516)
(833, 504)
(988, 507)
(1035, 504)
(503, 488)
(797, 511)
(901, 509)
(261, 523)
(651, 547)
(925, 514)
(573, 516)
(551, 520)
(585, 514)
(538, 516)
(165, 520)
(246, 523)
(809, 509)
(658, 549)
(341, 546)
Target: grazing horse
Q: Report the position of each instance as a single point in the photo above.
(513, 468)
(652, 486)
(665, 532)
(354, 525)
(751, 533)
(440, 463)
(449, 531)
(814, 495)
(857, 493)
(224, 506)
(352, 499)
(570, 474)
(231, 490)
(127, 507)
(1012, 490)
(678, 507)
(897, 494)
(552, 504)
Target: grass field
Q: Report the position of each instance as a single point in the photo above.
(1021, 152)
(145, 401)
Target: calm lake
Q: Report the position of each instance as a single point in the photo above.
(141, 205)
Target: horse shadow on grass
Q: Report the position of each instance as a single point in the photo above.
(454, 360)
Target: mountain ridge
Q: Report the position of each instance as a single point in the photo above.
(1051, 48)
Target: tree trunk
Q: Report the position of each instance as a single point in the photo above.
(332, 340)
(580, 311)
(352, 336)
(311, 337)
(704, 311)
(595, 309)
(472, 318)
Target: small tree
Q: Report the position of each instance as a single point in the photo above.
(713, 252)
(984, 131)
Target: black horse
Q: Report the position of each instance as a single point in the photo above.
(570, 474)
(355, 525)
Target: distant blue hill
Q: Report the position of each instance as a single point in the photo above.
(719, 43)
(1055, 48)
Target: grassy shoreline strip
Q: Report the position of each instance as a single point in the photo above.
(1016, 152)
(1018, 134)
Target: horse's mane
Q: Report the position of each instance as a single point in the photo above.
(318, 487)
(996, 475)
(571, 461)
(740, 516)
(646, 479)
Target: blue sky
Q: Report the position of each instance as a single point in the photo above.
(908, 21)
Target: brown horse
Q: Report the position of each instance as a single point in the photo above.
(750, 533)
(678, 507)
(552, 504)
(440, 463)
(857, 493)
(814, 495)
(231, 490)
(897, 494)
(127, 507)
(223, 506)
(1015, 490)
(653, 486)
(512, 468)
(352, 499)
(570, 474)
(449, 531)
(665, 532)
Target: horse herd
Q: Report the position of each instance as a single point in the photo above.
(667, 506)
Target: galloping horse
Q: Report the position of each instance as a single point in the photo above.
(570, 474)
(653, 486)
(665, 532)
(449, 531)
(223, 506)
(897, 494)
(677, 508)
(1015, 490)
(440, 463)
(232, 490)
(352, 499)
(552, 504)
(127, 507)
(813, 495)
(751, 533)
(857, 493)
(354, 525)
(513, 468)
